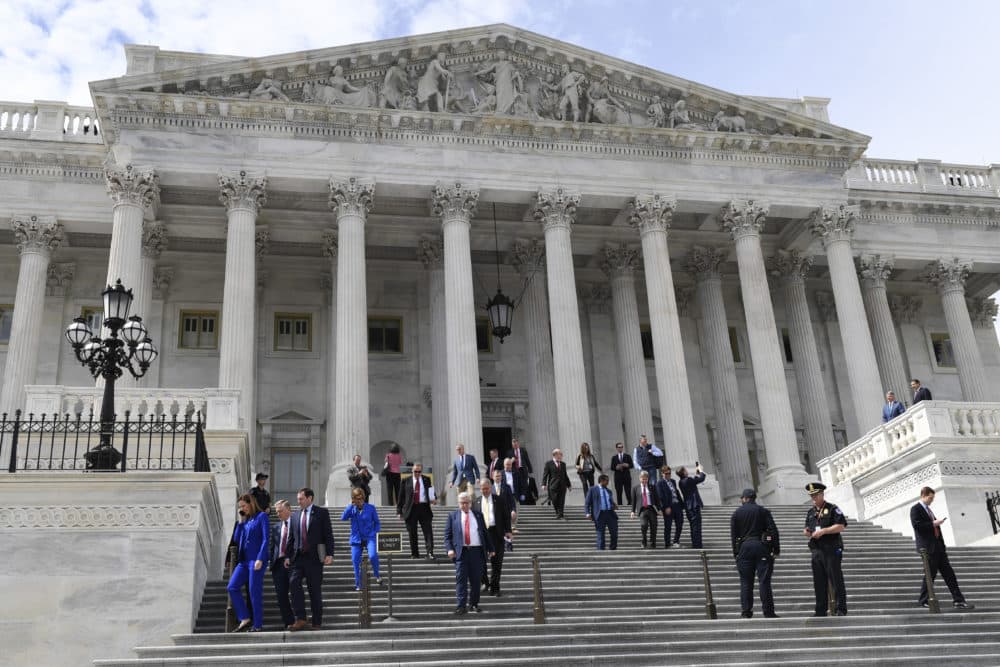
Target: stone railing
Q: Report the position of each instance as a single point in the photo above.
(219, 407)
(927, 420)
(49, 121)
(924, 176)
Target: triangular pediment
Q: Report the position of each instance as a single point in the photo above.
(482, 74)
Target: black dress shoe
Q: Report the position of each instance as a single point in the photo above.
(746, 614)
(459, 611)
(963, 605)
(415, 556)
(771, 615)
(840, 612)
(819, 615)
(475, 609)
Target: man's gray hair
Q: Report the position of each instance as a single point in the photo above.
(464, 495)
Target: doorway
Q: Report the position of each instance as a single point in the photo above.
(495, 438)
(289, 473)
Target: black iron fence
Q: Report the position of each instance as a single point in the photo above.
(148, 442)
(993, 507)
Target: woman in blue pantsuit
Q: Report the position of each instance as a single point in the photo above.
(364, 532)
(251, 537)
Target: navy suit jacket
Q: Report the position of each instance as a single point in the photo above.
(454, 533)
(663, 491)
(892, 410)
(923, 530)
(592, 504)
(320, 531)
(276, 542)
(470, 472)
(251, 536)
(922, 394)
(689, 489)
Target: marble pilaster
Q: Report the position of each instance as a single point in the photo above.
(949, 277)
(619, 263)
(791, 268)
(651, 216)
(329, 283)
(735, 474)
(455, 205)
(430, 252)
(785, 476)
(37, 237)
(875, 271)
(132, 190)
(834, 225)
(556, 211)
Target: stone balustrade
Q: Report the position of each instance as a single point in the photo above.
(49, 121)
(219, 407)
(925, 421)
(924, 176)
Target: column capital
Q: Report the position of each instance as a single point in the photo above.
(60, 277)
(982, 311)
(905, 308)
(133, 185)
(454, 202)
(37, 233)
(948, 275)
(528, 256)
(875, 270)
(651, 213)
(596, 296)
(430, 252)
(243, 191)
(154, 238)
(744, 217)
(683, 295)
(618, 260)
(827, 306)
(833, 223)
(791, 266)
(352, 197)
(555, 208)
(262, 241)
(162, 277)
(703, 263)
(330, 243)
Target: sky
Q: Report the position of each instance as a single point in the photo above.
(918, 76)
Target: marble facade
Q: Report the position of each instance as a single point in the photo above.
(777, 280)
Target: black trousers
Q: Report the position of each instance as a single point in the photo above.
(420, 514)
(674, 520)
(827, 571)
(647, 523)
(279, 576)
(310, 568)
(587, 479)
(623, 480)
(694, 526)
(393, 480)
(557, 496)
(496, 562)
(754, 560)
(938, 562)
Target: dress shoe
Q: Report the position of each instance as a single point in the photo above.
(925, 604)
(840, 612)
(771, 615)
(475, 609)
(963, 605)
(746, 614)
(243, 626)
(297, 625)
(315, 627)
(459, 611)
(819, 615)
(414, 556)
(497, 593)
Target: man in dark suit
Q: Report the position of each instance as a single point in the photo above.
(692, 501)
(282, 545)
(600, 508)
(502, 489)
(920, 392)
(313, 549)
(468, 545)
(416, 495)
(522, 464)
(755, 546)
(496, 517)
(622, 464)
(556, 482)
(494, 463)
(513, 481)
(927, 534)
(672, 504)
(465, 470)
(646, 506)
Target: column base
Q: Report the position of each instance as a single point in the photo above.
(785, 486)
(710, 490)
(338, 487)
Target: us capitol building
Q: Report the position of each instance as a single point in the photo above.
(312, 239)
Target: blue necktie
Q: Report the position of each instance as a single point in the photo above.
(604, 500)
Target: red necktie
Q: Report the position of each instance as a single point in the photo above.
(937, 529)
(645, 499)
(416, 490)
(468, 533)
(304, 542)
(517, 455)
(284, 537)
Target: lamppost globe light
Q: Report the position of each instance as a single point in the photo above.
(91, 348)
(145, 352)
(501, 311)
(133, 332)
(117, 301)
(78, 333)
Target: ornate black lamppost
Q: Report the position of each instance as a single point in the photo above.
(500, 307)
(107, 357)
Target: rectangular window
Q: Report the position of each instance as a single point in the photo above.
(6, 317)
(293, 332)
(734, 345)
(943, 355)
(786, 345)
(647, 341)
(385, 334)
(199, 329)
(484, 335)
(94, 316)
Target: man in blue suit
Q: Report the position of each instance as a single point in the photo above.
(313, 549)
(892, 408)
(600, 508)
(468, 545)
(692, 501)
(465, 470)
(282, 546)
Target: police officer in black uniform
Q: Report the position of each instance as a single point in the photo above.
(755, 545)
(260, 494)
(824, 524)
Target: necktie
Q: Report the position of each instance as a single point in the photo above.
(304, 541)
(605, 505)
(517, 456)
(416, 489)
(284, 537)
(621, 458)
(486, 511)
(937, 529)
(645, 498)
(468, 533)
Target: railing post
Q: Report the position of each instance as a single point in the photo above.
(390, 618)
(365, 596)
(13, 440)
(124, 440)
(230, 613)
(932, 602)
(539, 607)
(710, 611)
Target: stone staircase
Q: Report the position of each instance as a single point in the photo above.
(631, 607)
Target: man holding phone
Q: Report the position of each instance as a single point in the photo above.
(927, 534)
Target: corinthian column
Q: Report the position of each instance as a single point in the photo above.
(528, 258)
(154, 241)
(785, 477)
(703, 264)
(791, 268)
(243, 195)
(983, 313)
(351, 200)
(619, 263)
(835, 226)
(329, 283)
(556, 211)
(875, 270)
(430, 251)
(37, 237)
(949, 277)
(455, 205)
(132, 189)
(651, 215)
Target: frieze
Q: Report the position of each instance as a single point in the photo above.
(977, 468)
(904, 488)
(154, 517)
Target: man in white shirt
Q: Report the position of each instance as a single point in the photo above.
(496, 516)
(467, 544)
